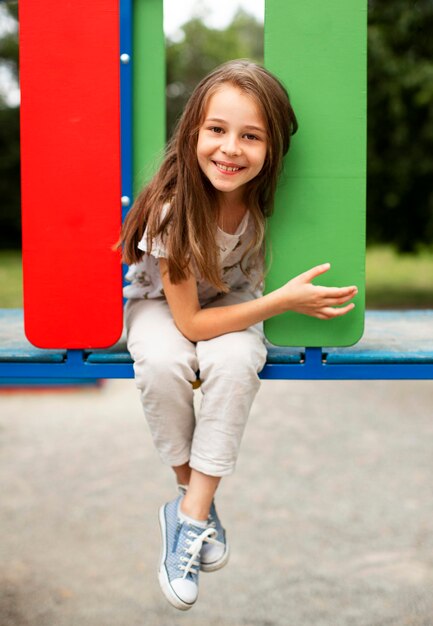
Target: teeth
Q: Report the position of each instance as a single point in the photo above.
(227, 169)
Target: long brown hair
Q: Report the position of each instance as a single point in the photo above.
(189, 224)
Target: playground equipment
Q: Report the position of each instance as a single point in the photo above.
(84, 99)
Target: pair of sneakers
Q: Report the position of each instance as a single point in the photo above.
(187, 548)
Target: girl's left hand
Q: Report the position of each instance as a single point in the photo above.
(300, 295)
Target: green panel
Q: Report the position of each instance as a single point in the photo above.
(148, 89)
(318, 50)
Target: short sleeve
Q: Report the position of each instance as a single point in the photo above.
(158, 249)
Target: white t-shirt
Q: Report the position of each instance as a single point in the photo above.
(145, 279)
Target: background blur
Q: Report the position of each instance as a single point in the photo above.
(400, 131)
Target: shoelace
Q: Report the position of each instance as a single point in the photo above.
(193, 548)
(211, 523)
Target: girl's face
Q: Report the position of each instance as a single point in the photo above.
(232, 142)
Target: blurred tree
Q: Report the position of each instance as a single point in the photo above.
(10, 226)
(400, 122)
(201, 50)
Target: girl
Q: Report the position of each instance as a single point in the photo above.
(194, 241)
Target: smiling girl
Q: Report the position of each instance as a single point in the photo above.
(194, 242)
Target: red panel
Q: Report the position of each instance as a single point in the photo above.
(70, 155)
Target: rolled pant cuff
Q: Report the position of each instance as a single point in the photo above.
(211, 469)
(175, 461)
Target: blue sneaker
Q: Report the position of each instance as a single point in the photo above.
(180, 557)
(215, 551)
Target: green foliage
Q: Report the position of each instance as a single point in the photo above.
(400, 281)
(10, 227)
(400, 122)
(201, 50)
(11, 280)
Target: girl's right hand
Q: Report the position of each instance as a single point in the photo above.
(300, 295)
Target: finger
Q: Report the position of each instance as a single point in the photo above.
(312, 273)
(321, 316)
(331, 312)
(338, 301)
(340, 292)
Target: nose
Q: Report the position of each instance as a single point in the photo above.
(230, 145)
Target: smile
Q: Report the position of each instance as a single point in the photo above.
(229, 169)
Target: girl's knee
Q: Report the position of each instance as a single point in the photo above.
(240, 359)
(160, 367)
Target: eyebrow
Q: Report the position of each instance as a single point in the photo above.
(248, 126)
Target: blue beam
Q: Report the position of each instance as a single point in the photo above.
(75, 367)
(379, 371)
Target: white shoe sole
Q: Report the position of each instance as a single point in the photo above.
(216, 565)
(164, 583)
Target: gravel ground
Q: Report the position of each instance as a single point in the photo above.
(329, 514)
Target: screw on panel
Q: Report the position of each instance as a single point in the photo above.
(125, 200)
(125, 58)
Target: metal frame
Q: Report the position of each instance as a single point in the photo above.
(312, 367)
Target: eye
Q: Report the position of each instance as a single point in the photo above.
(251, 137)
(216, 129)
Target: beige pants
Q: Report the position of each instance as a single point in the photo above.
(165, 365)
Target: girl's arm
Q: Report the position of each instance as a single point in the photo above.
(298, 295)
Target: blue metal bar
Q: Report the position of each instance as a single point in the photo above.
(74, 358)
(66, 370)
(126, 61)
(313, 357)
(126, 130)
(75, 367)
(379, 371)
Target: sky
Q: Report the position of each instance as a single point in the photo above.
(8, 87)
(216, 14)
